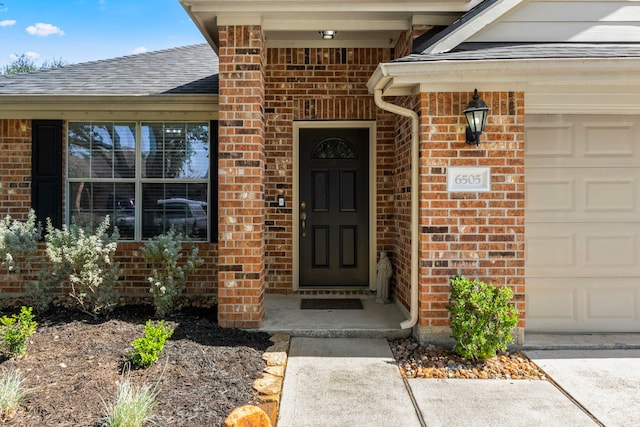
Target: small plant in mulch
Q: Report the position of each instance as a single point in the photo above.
(482, 317)
(147, 349)
(132, 407)
(15, 330)
(12, 393)
(169, 269)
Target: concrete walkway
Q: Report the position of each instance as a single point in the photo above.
(354, 382)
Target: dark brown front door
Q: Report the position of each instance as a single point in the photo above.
(334, 207)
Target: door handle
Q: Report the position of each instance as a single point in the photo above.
(303, 218)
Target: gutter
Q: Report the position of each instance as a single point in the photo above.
(415, 193)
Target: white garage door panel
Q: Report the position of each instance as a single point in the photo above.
(585, 194)
(582, 176)
(581, 141)
(582, 305)
(582, 249)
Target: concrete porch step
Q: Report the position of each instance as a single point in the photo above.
(284, 315)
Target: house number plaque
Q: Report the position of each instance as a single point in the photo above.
(476, 179)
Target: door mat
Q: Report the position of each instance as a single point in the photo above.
(331, 304)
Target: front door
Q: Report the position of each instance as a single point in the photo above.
(334, 207)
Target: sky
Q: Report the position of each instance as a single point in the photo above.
(77, 31)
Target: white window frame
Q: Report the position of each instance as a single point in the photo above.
(138, 181)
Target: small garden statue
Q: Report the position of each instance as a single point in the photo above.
(384, 273)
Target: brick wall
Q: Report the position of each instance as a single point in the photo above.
(479, 235)
(241, 256)
(15, 168)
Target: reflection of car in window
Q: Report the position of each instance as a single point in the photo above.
(185, 215)
(125, 217)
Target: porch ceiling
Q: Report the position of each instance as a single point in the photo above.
(296, 23)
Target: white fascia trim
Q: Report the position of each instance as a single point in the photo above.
(191, 107)
(475, 25)
(251, 6)
(407, 78)
(201, 26)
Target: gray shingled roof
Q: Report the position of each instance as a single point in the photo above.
(502, 51)
(183, 70)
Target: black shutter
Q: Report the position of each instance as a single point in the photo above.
(46, 171)
(213, 179)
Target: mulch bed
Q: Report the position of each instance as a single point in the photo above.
(415, 361)
(74, 363)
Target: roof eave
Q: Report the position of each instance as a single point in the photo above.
(462, 30)
(115, 107)
(409, 78)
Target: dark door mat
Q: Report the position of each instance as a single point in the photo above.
(331, 304)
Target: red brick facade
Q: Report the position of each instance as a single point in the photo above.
(15, 168)
(263, 91)
(478, 235)
(241, 195)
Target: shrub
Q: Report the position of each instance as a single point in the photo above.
(18, 240)
(86, 261)
(482, 317)
(147, 349)
(16, 330)
(18, 244)
(163, 254)
(132, 407)
(12, 394)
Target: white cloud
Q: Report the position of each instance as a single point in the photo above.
(138, 50)
(28, 54)
(44, 30)
(7, 23)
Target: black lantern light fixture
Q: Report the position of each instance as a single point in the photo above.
(476, 114)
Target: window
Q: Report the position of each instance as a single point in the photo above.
(147, 176)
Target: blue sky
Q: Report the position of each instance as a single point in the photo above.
(86, 30)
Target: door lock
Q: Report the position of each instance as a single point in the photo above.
(303, 218)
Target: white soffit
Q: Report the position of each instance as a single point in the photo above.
(296, 23)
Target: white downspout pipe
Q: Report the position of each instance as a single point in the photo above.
(415, 200)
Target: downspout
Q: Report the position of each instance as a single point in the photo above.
(415, 200)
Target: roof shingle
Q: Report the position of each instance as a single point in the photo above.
(183, 70)
(515, 51)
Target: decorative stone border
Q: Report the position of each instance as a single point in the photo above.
(268, 388)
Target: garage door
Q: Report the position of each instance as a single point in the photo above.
(582, 178)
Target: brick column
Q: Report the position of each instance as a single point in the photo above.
(475, 234)
(241, 252)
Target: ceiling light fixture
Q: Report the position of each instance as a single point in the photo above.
(328, 34)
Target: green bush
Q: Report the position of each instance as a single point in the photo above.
(16, 330)
(482, 317)
(18, 244)
(86, 261)
(147, 349)
(163, 254)
(18, 240)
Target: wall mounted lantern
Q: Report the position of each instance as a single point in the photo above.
(328, 34)
(476, 114)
